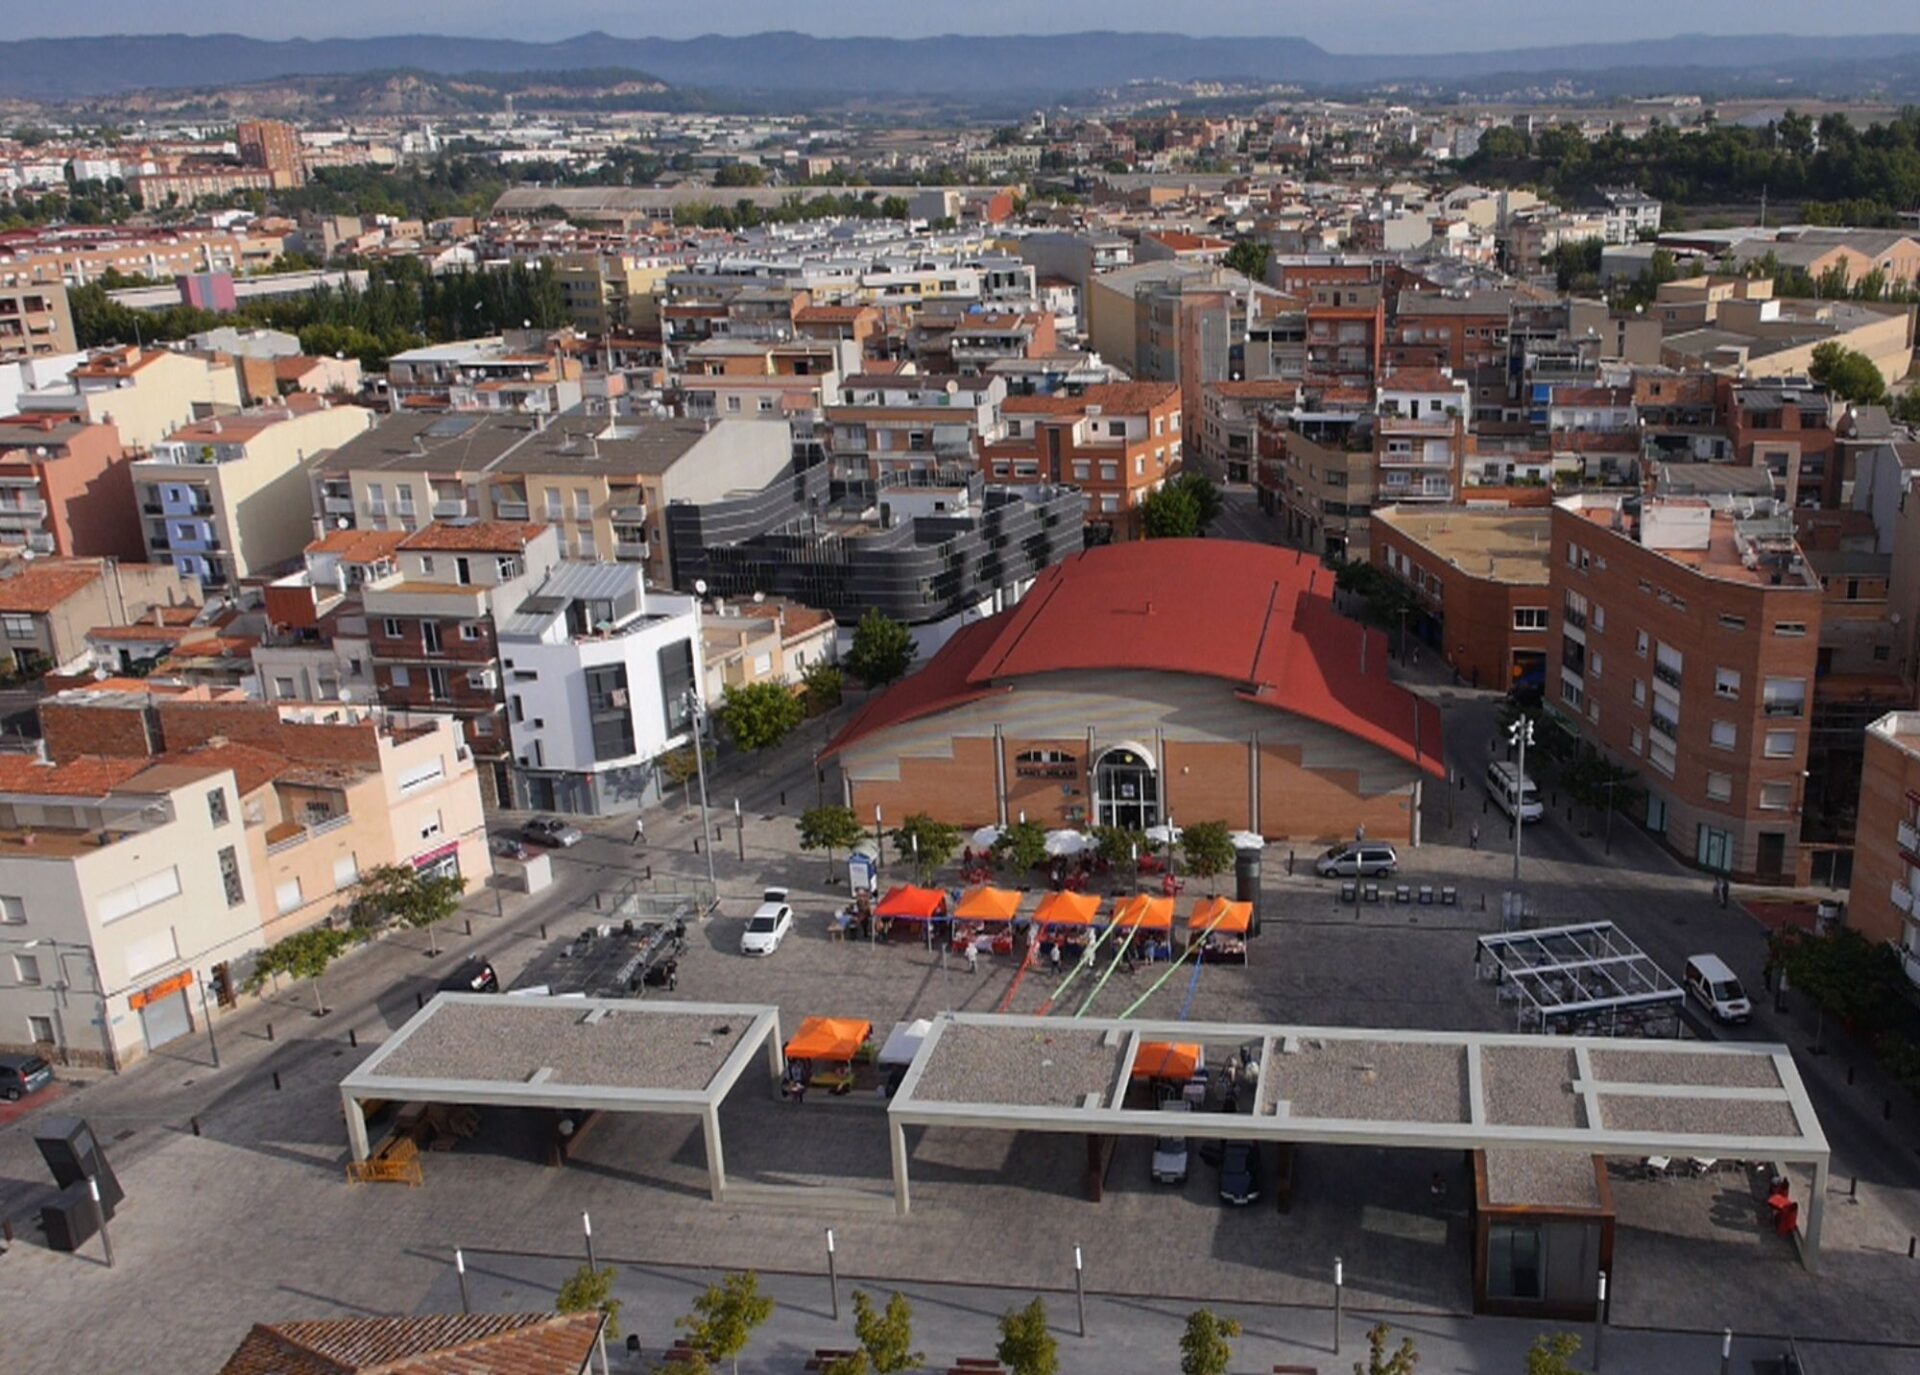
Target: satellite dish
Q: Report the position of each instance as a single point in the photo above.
(759, 597)
(700, 586)
(346, 694)
(100, 674)
(343, 523)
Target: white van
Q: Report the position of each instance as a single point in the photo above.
(1708, 979)
(1513, 792)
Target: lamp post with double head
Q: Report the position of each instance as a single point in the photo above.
(697, 720)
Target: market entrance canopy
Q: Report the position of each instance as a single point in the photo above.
(985, 903)
(1220, 917)
(1167, 1060)
(907, 903)
(833, 1039)
(1437, 1090)
(1067, 909)
(1144, 913)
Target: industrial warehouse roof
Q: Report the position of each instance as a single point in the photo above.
(1258, 618)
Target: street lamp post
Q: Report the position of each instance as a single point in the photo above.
(1521, 734)
(696, 710)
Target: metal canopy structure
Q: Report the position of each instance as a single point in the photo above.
(584, 1054)
(1588, 979)
(1343, 1086)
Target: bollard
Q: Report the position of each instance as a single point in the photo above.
(1599, 1319)
(460, 1269)
(194, 1122)
(586, 1225)
(1726, 1351)
(276, 1081)
(469, 926)
(353, 1038)
(1853, 1189)
(783, 797)
(1339, 1282)
(833, 1276)
(1080, 1289)
(1910, 1242)
(6, 1230)
(696, 845)
(419, 1000)
(596, 902)
(649, 874)
(543, 930)
(269, 1031)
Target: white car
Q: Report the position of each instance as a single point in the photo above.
(766, 928)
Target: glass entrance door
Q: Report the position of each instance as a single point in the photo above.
(1126, 791)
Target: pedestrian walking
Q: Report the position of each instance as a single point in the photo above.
(639, 831)
(1473, 836)
(973, 959)
(1053, 958)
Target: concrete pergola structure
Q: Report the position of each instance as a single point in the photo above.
(1355, 1087)
(581, 1054)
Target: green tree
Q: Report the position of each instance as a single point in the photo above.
(1026, 1345)
(1249, 257)
(588, 1289)
(682, 766)
(303, 955)
(1553, 1355)
(1205, 1347)
(1906, 408)
(1021, 847)
(1206, 497)
(1847, 373)
(1842, 973)
(1170, 512)
(925, 843)
(824, 684)
(882, 649)
(1380, 1361)
(886, 1334)
(759, 716)
(724, 1318)
(403, 895)
(1117, 845)
(1206, 848)
(740, 174)
(829, 829)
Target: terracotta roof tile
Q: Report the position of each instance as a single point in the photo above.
(85, 776)
(40, 589)
(483, 536)
(475, 1344)
(359, 546)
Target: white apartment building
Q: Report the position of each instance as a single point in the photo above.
(597, 670)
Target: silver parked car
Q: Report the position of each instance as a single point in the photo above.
(552, 831)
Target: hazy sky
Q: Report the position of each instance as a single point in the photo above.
(1339, 25)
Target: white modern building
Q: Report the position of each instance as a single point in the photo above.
(598, 670)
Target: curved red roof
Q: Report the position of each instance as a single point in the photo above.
(1251, 615)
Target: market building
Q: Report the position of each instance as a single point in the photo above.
(1136, 683)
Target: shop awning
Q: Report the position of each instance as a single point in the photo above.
(1167, 1060)
(984, 903)
(829, 1038)
(1144, 912)
(907, 903)
(1067, 909)
(1219, 917)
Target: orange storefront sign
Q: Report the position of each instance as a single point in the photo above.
(166, 988)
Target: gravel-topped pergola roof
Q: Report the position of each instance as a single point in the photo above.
(1581, 1095)
(582, 1054)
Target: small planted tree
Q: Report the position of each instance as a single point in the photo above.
(1170, 513)
(1205, 1347)
(829, 829)
(303, 955)
(682, 766)
(886, 1334)
(1021, 847)
(1553, 1355)
(724, 1318)
(401, 895)
(1381, 1361)
(824, 683)
(1206, 497)
(1207, 849)
(1027, 1346)
(926, 844)
(587, 1290)
(882, 649)
(759, 716)
(1117, 845)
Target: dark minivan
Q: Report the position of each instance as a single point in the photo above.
(475, 976)
(21, 1075)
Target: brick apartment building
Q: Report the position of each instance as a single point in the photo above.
(1117, 442)
(1481, 582)
(1886, 850)
(267, 145)
(66, 488)
(430, 629)
(1686, 633)
(1789, 430)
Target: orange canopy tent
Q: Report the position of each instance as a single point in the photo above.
(907, 903)
(1175, 1060)
(835, 1039)
(1067, 909)
(988, 904)
(1145, 913)
(1219, 917)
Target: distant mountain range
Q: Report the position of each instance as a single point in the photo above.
(994, 69)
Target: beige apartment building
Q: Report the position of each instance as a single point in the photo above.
(145, 393)
(766, 640)
(230, 497)
(605, 292)
(139, 882)
(49, 606)
(35, 321)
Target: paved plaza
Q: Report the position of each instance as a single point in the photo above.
(254, 1214)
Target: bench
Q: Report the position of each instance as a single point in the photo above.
(824, 1356)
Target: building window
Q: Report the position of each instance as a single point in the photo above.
(1719, 787)
(1530, 618)
(40, 1030)
(1599, 617)
(676, 685)
(1661, 758)
(397, 676)
(470, 630)
(1593, 664)
(1724, 735)
(13, 911)
(230, 876)
(286, 896)
(1639, 692)
(346, 872)
(1733, 622)
(1726, 683)
(426, 565)
(1779, 744)
(283, 688)
(1638, 744)
(390, 628)
(1640, 643)
(217, 806)
(1792, 629)
(610, 712)
(1571, 692)
(16, 627)
(26, 970)
(1785, 696)
(1776, 797)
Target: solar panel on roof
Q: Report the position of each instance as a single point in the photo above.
(452, 426)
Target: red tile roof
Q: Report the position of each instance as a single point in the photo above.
(476, 1344)
(85, 776)
(360, 546)
(40, 589)
(482, 537)
(1253, 616)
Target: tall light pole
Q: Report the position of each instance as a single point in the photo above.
(1521, 734)
(697, 715)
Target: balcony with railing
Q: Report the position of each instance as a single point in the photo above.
(1667, 673)
(631, 549)
(449, 508)
(1666, 726)
(1909, 836)
(335, 505)
(30, 510)
(292, 833)
(1902, 897)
